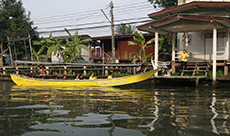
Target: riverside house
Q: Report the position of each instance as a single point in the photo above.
(101, 48)
(200, 27)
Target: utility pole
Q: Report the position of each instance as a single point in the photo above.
(112, 30)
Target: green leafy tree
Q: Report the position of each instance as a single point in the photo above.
(73, 48)
(14, 22)
(166, 4)
(124, 29)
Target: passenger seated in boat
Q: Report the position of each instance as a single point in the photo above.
(64, 77)
(42, 72)
(81, 77)
(110, 75)
(92, 76)
(77, 77)
(31, 74)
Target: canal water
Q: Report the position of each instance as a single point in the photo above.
(135, 110)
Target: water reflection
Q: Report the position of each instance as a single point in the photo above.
(146, 111)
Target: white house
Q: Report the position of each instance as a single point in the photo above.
(202, 27)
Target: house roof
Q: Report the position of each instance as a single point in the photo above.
(117, 37)
(190, 17)
(185, 23)
(193, 7)
(67, 37)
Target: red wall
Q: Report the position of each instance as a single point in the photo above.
(123, 50)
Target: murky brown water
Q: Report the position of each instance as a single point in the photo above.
(126, 111)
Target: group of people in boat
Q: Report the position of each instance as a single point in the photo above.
(91, 77)
(43, 73)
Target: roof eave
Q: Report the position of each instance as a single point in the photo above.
(195, 3)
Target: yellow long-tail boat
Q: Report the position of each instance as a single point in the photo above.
(28, 81)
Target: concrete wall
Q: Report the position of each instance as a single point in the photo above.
(200, 46)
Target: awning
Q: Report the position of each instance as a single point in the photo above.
(185, 23)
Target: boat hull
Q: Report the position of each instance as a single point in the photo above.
(27, 81)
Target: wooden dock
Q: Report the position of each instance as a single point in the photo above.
(196, 79)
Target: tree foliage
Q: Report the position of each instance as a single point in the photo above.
(166, 4)
(73, 49)
(51, 44)
(139, 40)
(14, 22)
(141, 56)
(124, 29)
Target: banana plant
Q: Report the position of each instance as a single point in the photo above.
(73, 48)
(139, 40)
(50, 44)
(38, 55)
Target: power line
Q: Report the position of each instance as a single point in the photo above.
(99, 22)
(90, 13)
(94, 27)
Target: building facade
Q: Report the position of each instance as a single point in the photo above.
(202, 28)
(101, 48)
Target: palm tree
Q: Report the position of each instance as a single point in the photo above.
(73, 49)
(124, 29)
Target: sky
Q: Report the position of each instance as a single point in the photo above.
(85, 16)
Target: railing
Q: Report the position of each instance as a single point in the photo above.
(104, 56)
(71, 70)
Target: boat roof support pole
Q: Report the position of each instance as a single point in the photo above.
(214, 55)
(156, 51)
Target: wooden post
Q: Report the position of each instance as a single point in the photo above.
(15, 51)
(47, 70)
(156, 51)
(173, 53)
(11, 58)
(25, 50)
(31, 53)
(31, 69)
(17, 72)
(106, 71)
(225, 69)
(197, 81)
(65, 70)
(214, 55)
(84, 70)
(4, 71)
(134, 68)
(90, 50)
